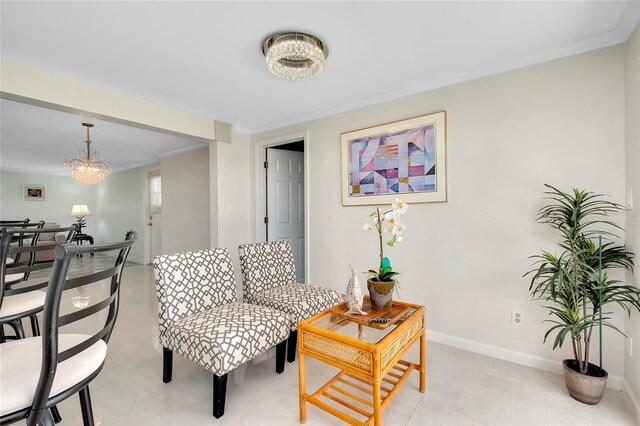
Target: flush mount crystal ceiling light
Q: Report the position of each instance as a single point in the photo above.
(87, 168)
(295, 56)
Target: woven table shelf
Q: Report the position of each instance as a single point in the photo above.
(368, 356)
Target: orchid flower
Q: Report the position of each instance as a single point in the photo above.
(399, 207)
(391, 216)
(389, 222)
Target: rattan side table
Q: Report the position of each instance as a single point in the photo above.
(368, 356)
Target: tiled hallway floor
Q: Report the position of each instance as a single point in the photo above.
(462, 387)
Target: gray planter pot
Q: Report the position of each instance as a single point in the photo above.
(586, 388)
(381, 294)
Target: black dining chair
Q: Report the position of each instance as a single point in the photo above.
(38, 372)
(13, 223)
(19, 297)
(22, 240)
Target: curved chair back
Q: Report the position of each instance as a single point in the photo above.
(14, 223)
(53, 320)
(27, 238)
(266, 266)
(27, 245)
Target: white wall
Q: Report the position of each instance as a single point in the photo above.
(632, 166)
(120, 208)
(185, 201)
(234, 173)
(561, 122)
(62, 193)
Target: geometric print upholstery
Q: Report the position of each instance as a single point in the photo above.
(190, 283)
(265, 266)
(269, 279)
(299, 301)
(227, 336)
(200, 318)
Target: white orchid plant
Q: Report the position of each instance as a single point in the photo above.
(387, 222)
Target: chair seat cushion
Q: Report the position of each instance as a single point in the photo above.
(29, 302)
(13, 278)
(224, 337)
(300, 301)
(20, 369)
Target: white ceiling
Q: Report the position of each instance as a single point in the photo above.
(40, 140)
(205, 57)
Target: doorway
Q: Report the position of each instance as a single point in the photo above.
(285, 199)
(155, 213)
(281, 196)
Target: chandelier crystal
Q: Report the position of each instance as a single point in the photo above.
(295, 56)
(87, 168)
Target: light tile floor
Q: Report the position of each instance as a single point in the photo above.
(462, 387)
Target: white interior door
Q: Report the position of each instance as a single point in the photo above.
(155, 214)
(155, 225)
(285, 202)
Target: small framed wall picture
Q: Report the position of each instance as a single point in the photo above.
(34, 192)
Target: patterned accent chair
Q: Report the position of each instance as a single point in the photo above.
(269, 279)
(201, 319)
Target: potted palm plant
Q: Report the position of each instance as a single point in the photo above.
(575, 285)
(382, 282)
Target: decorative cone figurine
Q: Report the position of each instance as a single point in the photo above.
(354, 295)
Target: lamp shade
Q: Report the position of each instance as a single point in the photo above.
(80, 210)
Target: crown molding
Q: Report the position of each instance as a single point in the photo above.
(599, 41)
(629, 20)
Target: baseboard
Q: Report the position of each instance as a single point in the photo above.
(546, 364)
(134, 259)
(632, 399)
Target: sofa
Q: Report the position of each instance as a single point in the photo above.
(49, 239)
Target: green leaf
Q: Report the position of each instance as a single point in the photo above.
(570, 282)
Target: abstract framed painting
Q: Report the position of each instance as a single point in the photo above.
(405, 159)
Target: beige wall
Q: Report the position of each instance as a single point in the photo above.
(233, 197)
(120, 208)
(561, 122)
(185, 201)
(632, 166)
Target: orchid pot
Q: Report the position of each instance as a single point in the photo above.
(382, 282)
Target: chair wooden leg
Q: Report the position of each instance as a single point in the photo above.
(219, 395)
(292, 346)
(85, 406)
(281, 350)
(35, 329)
(57, 418)
(167, 364)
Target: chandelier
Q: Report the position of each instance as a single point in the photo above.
(295, 56)
(87, 168)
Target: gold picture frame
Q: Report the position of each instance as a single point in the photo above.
(405, 159)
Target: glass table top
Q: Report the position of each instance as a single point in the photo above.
(337, 323)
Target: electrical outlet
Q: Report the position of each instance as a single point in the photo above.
(517, 318)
